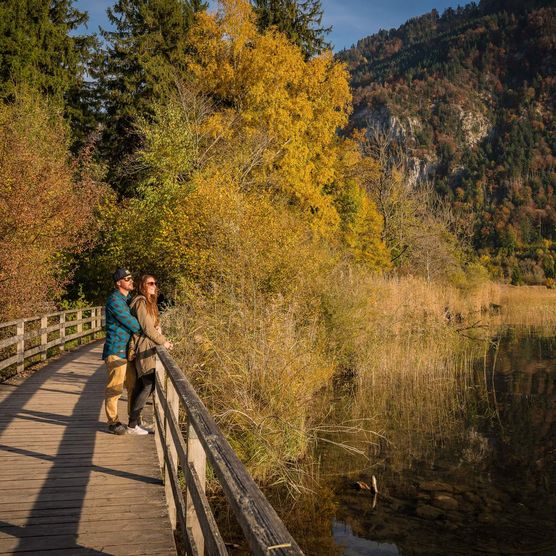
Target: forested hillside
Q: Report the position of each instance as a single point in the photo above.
(468, 98)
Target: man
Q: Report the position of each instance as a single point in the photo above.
(120, 325)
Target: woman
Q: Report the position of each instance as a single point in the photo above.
(145, 310)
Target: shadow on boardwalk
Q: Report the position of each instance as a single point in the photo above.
(66, 485)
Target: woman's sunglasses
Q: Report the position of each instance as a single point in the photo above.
(150, 283)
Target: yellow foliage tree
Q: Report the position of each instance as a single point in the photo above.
(297, 104)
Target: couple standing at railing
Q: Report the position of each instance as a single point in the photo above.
(132, 332)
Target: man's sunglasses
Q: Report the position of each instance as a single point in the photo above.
(127, 279)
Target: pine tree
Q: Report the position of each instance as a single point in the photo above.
(39, 51)
(143, 55)
(300, 20)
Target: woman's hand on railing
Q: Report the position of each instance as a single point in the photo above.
(168, 345)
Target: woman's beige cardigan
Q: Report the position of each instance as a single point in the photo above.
(145, 342)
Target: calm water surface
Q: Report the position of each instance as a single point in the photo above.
(486, 486)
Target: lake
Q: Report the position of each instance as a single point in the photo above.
(469, 468)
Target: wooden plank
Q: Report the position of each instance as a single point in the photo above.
(178, 504)
(196, 466)
(258, 519)
(6, 342)
(128, 550)
(131, 551)
(72, 452)
(87, 540)
(69, 494)
(53, 475)
(108, 458)
(170, 455)
(80, 481)
(24, 519)
(61, 342)
(20, 331)
(44, 337)
(9, 361)
(80, 321)
(127, 523)
(10, 323)
(48, 507)
(87, 510)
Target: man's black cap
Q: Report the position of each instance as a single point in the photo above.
(120, 273)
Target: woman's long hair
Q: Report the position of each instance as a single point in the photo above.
(152, 307)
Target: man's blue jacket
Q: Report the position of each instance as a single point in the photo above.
(120, 325)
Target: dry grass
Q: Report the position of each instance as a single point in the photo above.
(266, 365)
(533, 306)
(258, 367)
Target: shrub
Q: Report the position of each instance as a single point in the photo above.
(46, 206)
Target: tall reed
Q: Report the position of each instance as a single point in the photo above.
(269, 365)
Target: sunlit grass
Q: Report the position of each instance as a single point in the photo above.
(355, 360)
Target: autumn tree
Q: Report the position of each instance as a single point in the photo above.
(245, 148)
(419, 228)
(272, 91)
(46, 206)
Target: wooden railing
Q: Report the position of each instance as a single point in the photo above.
(34, 336)
(263, 529)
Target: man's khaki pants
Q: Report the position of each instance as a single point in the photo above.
(120, 372)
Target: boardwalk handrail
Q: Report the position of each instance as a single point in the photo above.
(263, 529)
(20, 335)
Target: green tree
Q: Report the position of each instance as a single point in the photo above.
(299, 20)
(40, 51)
(142, 57)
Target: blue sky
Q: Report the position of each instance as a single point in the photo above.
(351, 19)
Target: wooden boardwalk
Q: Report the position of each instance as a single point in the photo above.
(67, 486)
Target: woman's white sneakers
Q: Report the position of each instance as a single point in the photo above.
(136, 430)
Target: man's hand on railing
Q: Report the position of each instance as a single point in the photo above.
(168, 345)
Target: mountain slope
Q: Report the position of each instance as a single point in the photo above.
(469, 96)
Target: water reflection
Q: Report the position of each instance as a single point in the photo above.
(356, 546)
(481, 482)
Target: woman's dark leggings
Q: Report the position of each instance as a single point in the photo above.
(143, 389)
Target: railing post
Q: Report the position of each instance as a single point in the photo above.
(62, 331)
(174, 407)
(197, 457)
(161, 374)
(20, 330)
(95, 322)
(79, 325)
(44, 337)
(100, 311)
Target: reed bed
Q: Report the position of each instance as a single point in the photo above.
(270, 367)
(531, 306)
